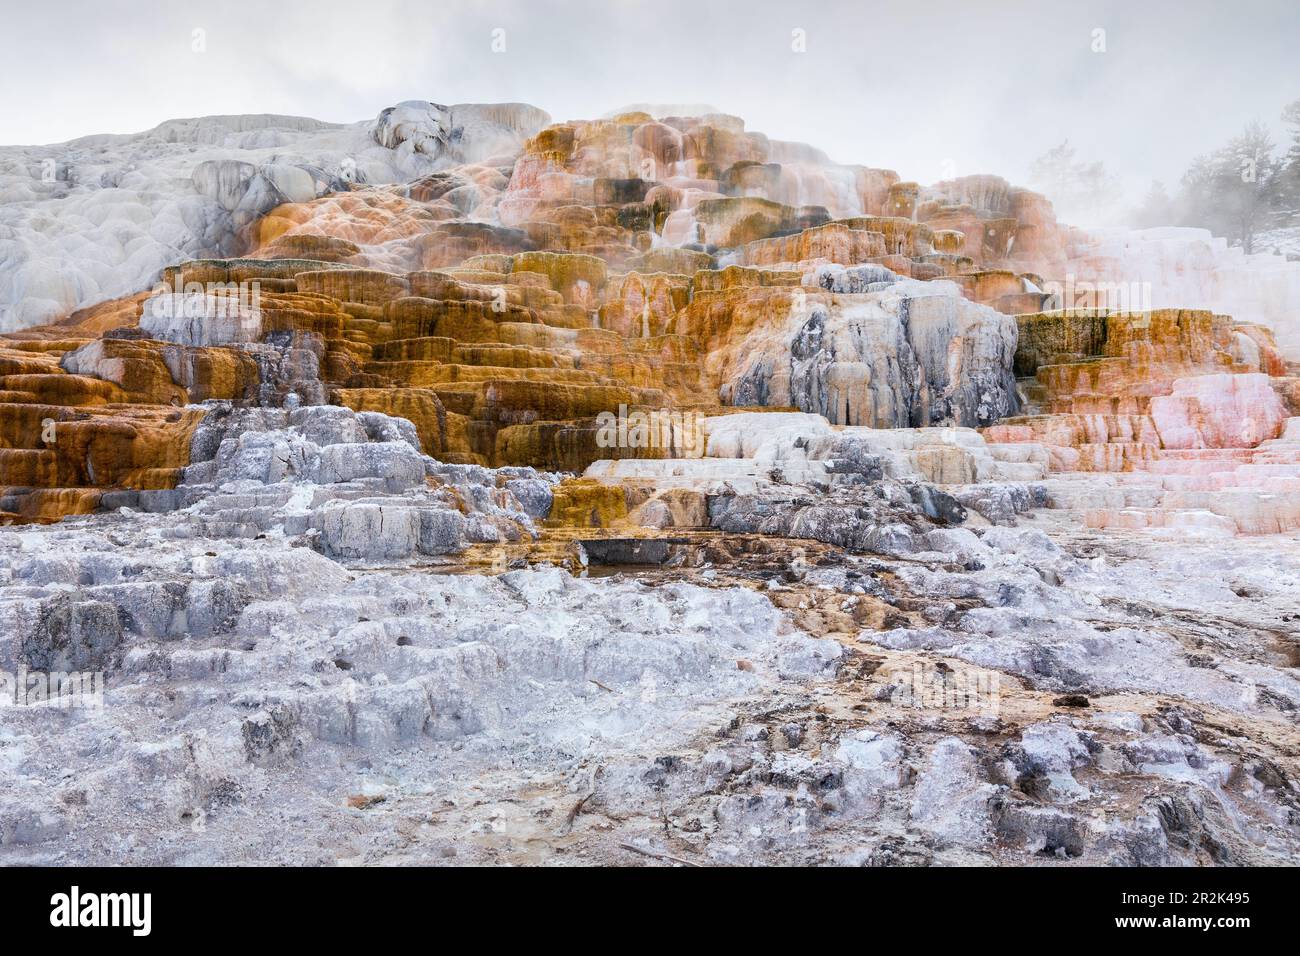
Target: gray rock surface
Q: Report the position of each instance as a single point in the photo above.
(189, 188)
(353, 485)
(860, 669)
(884, 352)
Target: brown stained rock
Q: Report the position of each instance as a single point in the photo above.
(834, 242)
(584, 503)
(503, 305)
(419, 406)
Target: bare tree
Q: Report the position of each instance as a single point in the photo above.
(1071, 184)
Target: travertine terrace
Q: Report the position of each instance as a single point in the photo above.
(731, 504)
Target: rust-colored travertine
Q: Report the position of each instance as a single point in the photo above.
(611, 266)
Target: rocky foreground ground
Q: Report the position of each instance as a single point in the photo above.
(322, 687)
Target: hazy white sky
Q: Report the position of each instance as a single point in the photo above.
(927, 87)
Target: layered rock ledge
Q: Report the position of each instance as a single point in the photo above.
(462, 486)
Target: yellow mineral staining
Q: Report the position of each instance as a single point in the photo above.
(586, 503)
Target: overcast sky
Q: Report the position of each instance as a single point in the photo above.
(927, 87)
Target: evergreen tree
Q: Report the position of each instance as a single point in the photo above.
(1235, 191)
(1157, 209)
(1290, 172)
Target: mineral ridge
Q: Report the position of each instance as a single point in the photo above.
(464, 486)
